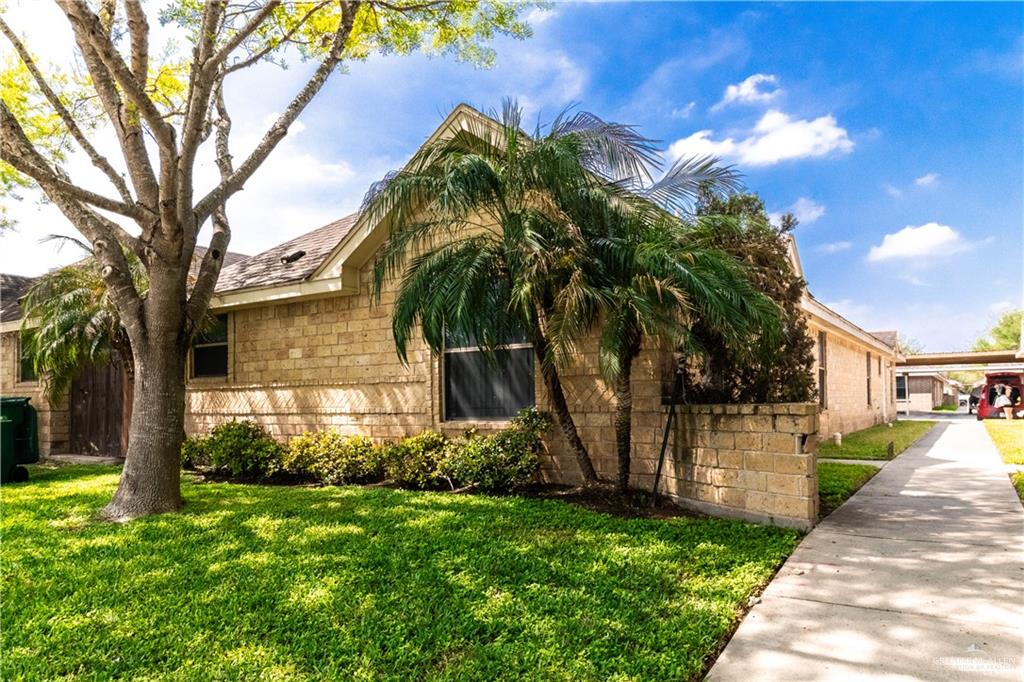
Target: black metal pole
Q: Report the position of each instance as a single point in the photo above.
(677, 390)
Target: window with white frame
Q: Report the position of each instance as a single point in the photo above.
(475, 388)
(901, 388)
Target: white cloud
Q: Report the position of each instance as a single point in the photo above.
(939, 325)
(834, 247)
(921, 241)
(684, 111)
(805, 210)
(855, 312)
(999, 306)
(914, 279)
(546, 79)
(776, 137)
(540, 15)
(892, 190)
(926, 179)
(750, 91)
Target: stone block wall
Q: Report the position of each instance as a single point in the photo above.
(54, 419)
(754, 462)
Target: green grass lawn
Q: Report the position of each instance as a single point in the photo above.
(1018, 483)
(1008, 437)
(872, 443)
(270, 582)
(837, 482)
(946, 408)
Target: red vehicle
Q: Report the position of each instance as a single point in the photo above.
(1014, 380)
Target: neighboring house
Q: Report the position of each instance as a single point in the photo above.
(93, 417)
(855, 369)
(927, 392)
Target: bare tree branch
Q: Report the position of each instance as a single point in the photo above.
(138, 27)
(97, 159)
(249, 61)
(89, 29)
(213, 259)
(240, 35)
(196, 105)
(105, 235)
(279, 129)
(126, 126)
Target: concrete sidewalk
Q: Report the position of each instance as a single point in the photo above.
(919, 576)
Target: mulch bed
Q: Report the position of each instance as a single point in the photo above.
(604, 498)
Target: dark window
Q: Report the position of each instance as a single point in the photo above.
(822, 373)
(210, 350)
(867, 373)
(26, 368)
(901, 388)
(879, 365)
(476, 389)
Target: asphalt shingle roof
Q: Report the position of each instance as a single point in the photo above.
(886, 337)
(12, 288)
(272, 267)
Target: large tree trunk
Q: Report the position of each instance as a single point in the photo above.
(560, 408)
(151, 478)
(624, 422)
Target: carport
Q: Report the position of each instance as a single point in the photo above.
(924, 364)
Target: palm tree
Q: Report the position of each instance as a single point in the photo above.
(484, 247)
(651, 276)
(489, 281)
(70, 321)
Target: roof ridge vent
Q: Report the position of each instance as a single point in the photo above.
(292, 257)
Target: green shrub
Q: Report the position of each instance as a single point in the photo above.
(242, 449)
(499, 462)
(414, 461)
(194, 452)
(332, 458)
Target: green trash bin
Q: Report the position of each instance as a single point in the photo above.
(24, 438)
(6, 449)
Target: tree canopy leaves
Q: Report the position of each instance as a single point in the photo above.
(1004, 334)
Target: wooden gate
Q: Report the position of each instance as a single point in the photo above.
(100, 404)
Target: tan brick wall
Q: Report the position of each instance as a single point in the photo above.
(53, 419)
(332, 363)
(847, 408)
(756, 462)
(322, 363)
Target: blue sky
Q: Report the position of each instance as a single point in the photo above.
(895, 130)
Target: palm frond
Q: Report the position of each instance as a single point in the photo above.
(678, 189)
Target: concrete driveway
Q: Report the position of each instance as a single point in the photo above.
(919, 576)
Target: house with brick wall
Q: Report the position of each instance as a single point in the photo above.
(300, 345)
(855, 370)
